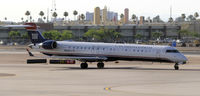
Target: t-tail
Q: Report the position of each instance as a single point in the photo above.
(34, 33)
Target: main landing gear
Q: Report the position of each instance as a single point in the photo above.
(84, 65)
(100, 65)
(176, 67)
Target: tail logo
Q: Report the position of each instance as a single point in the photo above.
(34, 36)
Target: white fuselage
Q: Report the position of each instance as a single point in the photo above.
(115, 51)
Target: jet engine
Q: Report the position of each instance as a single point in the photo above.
(49, 44)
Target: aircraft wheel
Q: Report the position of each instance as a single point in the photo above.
(84, 65)
(176, 67)
(100, 65)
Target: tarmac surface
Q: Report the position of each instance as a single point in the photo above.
(122, 79)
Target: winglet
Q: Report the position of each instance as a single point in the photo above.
(30, 54)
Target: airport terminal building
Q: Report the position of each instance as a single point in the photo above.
(127, 31)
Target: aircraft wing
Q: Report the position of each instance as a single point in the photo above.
(81, 58)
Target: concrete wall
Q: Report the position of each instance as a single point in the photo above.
(127, 32)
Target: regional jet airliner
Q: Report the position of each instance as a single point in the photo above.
(101, 52)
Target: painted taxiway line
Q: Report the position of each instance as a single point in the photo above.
(107, 88)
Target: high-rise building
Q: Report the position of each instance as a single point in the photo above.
(89, 16)
(112, 16)
(126, 16)
(97, 16)
(141, 20)
(104, 15)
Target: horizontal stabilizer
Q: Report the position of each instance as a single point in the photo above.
(16, 26)
(28, 26)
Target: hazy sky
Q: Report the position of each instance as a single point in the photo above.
(15, 9)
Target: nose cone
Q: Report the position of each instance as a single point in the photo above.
(184, 59)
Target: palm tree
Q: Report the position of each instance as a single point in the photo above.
(122, 16)
(22, 19)
(133, 17)
(170, 19)
(65, 15)
(183, 16)
(55, 15)
(75, 13)
(82, 16)
(41, 14)
(190, 18)
(196, 15)
(27, 14)
(44, 18)
(31, 18)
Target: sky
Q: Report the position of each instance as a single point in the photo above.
(14, 10)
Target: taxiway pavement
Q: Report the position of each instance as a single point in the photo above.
(123, 79)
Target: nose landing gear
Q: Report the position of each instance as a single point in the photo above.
(176, 67)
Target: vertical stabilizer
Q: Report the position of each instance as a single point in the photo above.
(34, 33)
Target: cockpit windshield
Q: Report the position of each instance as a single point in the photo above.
(172, 51)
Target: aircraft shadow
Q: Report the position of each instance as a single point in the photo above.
(125, 68)
(115, 68)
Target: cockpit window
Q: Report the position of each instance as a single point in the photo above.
(172, 51)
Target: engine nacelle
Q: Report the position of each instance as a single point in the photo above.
(49, 44)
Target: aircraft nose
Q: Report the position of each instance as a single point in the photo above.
(184, 59)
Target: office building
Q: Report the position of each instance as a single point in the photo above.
(89, 16)
(104, 15)
(142, 20)
(97, 19)
(126, 16)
